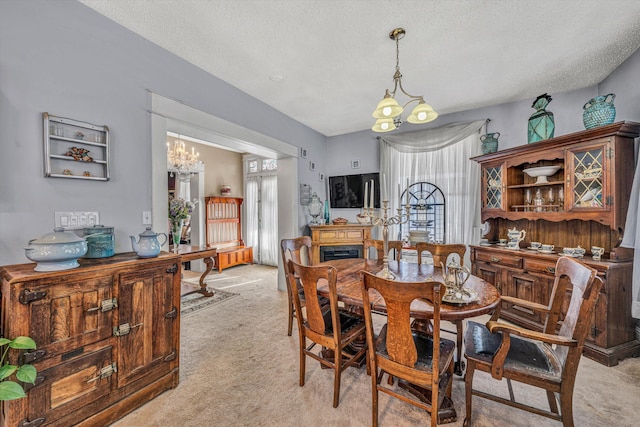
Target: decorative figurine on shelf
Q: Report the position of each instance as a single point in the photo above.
(541, 123)
(79, 135)
(490, 142)
(79, 154)
(67, 172)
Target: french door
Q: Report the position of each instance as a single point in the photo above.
(261, 204)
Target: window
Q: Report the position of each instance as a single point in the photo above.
(253, 166)
(269, 165)
(427, 211)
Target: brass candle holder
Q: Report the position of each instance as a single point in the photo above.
(385, 221)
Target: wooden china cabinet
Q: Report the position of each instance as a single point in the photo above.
(584, 204)
(107, 336)
(224, 232)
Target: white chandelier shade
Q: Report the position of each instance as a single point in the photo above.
(388, 111)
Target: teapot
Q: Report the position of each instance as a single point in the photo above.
(148, 245)
(455, 275)
(516, 235)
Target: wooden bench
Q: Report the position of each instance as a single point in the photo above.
(235, 255)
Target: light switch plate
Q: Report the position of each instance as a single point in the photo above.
(76, 220)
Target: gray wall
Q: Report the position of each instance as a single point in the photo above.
(66, 59)
(509, 119)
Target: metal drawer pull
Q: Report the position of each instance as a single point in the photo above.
(551, 270)
(106, 305)
(495, 259)
(105, 372)
(34, 423)
(124, 329)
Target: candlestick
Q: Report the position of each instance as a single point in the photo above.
(373, 194)
(384, 221)
(406, 194)
(383, 190)
(366, 194)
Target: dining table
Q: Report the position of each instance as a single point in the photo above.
(349, 290)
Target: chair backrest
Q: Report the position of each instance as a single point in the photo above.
(440, 252)
(378, 245)
(579, 283)
(398, 298)
(298, 250)
(308, 278)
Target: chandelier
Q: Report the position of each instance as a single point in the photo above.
(388, 111)
(182, 162)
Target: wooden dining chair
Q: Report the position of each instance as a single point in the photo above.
(547, 359)
(425, 361)
(331, 327)
(298, 250)
(378, 245)
(440, 254)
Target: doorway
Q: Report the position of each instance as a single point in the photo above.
(261, 202)
(167, 114)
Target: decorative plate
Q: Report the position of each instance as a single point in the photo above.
(453, 297)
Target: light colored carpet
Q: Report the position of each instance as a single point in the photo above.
(238, 367)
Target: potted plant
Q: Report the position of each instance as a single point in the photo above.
(26, 373)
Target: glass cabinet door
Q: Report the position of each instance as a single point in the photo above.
(587, 178)
(493, 194)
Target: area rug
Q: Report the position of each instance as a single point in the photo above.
(193, 302)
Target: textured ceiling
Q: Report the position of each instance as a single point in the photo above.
(327, 63)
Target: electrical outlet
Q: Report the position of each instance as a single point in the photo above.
(146, 217)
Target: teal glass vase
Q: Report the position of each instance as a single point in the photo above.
(541, 123)
(327, 215)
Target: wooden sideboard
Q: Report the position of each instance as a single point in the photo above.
(528, 275)
(591, 191)
(337, 235)
(107, 335)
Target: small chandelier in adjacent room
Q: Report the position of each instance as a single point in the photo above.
(388, 111)
(182, 162)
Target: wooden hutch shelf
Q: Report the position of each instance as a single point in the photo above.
(590, 193)
(224, 232)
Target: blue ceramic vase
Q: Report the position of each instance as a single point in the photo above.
(541, 123)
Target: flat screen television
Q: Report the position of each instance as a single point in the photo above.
(347, 191)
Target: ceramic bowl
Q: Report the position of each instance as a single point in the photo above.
(340, 221)
(542, 172)
(56, 251)
(363, 219)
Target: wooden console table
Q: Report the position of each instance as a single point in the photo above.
(190, 253)
(337, 235)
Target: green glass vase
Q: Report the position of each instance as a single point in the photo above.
(541, 123)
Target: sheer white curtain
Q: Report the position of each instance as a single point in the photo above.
(439, 156)
(631, 236)
(251, 218)
(269, 219)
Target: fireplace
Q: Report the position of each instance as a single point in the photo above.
(328, 253)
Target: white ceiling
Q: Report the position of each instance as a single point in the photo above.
(335, 58)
